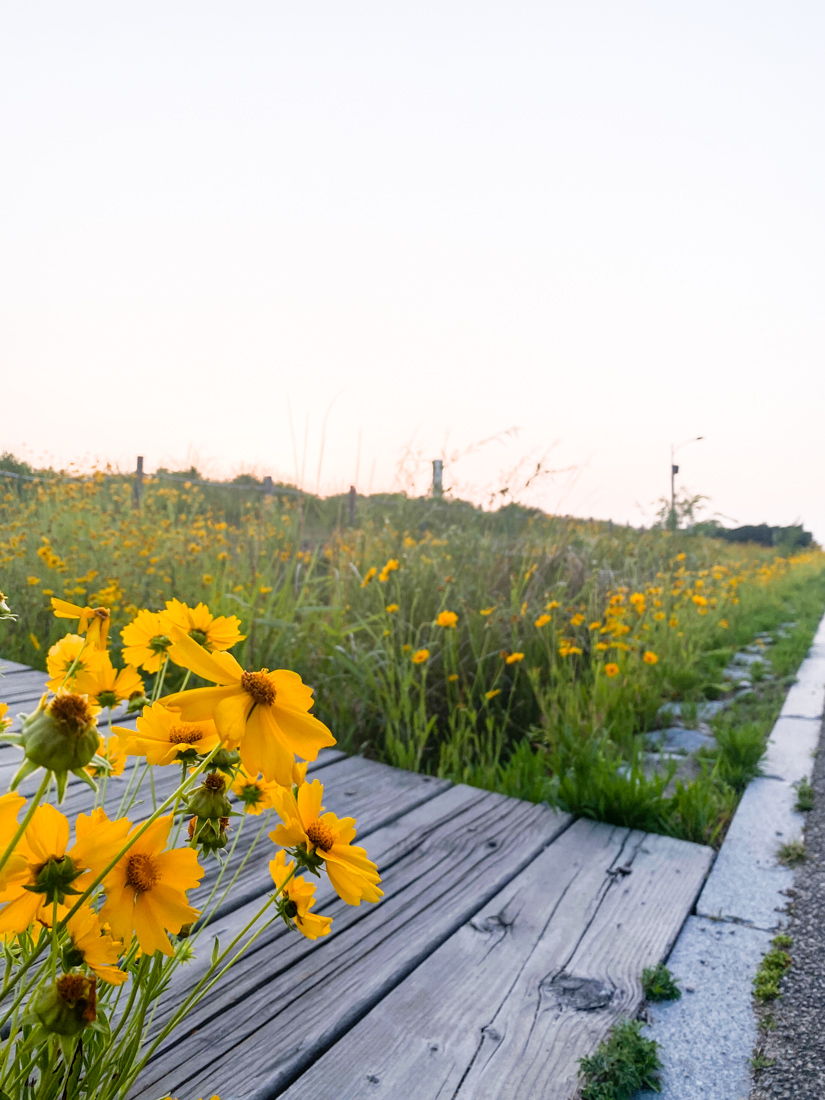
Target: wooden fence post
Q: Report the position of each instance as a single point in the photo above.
(438, 472)
(268, 489)
(352, 505)
(137, 486)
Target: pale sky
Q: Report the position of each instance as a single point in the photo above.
(421, 224)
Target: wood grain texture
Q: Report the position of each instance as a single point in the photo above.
(300, 997)
(508, 1005)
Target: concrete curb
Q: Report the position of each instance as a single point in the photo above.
(707, 1038)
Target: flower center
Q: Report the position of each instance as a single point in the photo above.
(185, 733)
(214, 782)
(321, 835)
(160, 643)
(141, 872)
(72, 709)
(102, 613)
(78, 991)
(198, 636)
(259, 686)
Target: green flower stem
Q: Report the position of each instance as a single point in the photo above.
(24, 824)
(70, 671)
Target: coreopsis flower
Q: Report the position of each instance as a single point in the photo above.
(543, 620)
(391, 608)
(61, 736)
(200, 624)
(93, 621)
(390, 567)
(68, 1005)
(370, 573)
(70, 651)
(420, 656)
(650, 658)
(54, 873)
(5, 720)
(492, 693)
(513, 658)
(162, 736)
(315, 837)
(146, 890)
(297, 896)
(145, 641)
(108, 686)
(89, 945)
(112, 754)
(254, 793)
(447, 619)
(611, 669)
(487, 611)
(265, 715)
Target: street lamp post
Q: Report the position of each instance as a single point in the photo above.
(674, 470)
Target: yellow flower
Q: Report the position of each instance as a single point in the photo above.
(577, 620)
(32, 581)
(594, 626)
(299, 896)
(113, 753)
(265, 715)
(162, 735)
(551, 605)
(488, 610)
(674, 622)
(514, 658)
(207, 578)
(611, 669)
(420, 656)
(451, 679)
(146, 890)
(601, 646)
(650, 658)
(202, 626)
(368, 576)
(391, 608)
(93, 621)
(97, 950)
(255, 794)
(4, 723)
(353, 876)
(16, 868)
(145, 641)
(492, 693)
(52, 871)
(723, 623)
(34, 641)
(106, 686)
(543, 620)
(447, 619)
(391, 565)
(265, 589)
(700, 601)
(681, 557)
(659, 616)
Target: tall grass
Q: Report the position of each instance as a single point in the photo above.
(540, 689)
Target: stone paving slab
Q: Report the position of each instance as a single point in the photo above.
(706, 1038)
(746, 882)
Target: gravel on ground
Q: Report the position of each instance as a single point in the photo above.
(791, 1052)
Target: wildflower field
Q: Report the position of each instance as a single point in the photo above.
(511, 650)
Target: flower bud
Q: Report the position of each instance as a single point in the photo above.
(209, 799)
(209, 834)
(61, 735)
(55, 878)
(226, 761)
(67, 1006)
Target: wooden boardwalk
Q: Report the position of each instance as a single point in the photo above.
(509, 940)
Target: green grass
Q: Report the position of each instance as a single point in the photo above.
(771, 969)
(521, 699)
(624, 1062)
(792, 853)
(804, 795)
(659, 984)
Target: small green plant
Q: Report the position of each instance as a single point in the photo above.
(624, 1062)
(659, 984)
(792, 854)
(771, 969)
(759, 1061)
(758, 672)
(741, 747)
(804, 795)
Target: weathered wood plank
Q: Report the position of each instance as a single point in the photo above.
(22, 685)
(8, 668)
(298, 997)
(508, 1005)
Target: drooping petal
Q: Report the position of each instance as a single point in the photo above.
(47, 834)
(155, 838)
(310, 796)
(199, 704)
(171, 907)
(149, 926)
(303, 733)
(20, 914)
(220, 668)
(180, 868)
(263, 750)
(118, 912)
(231, 718)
